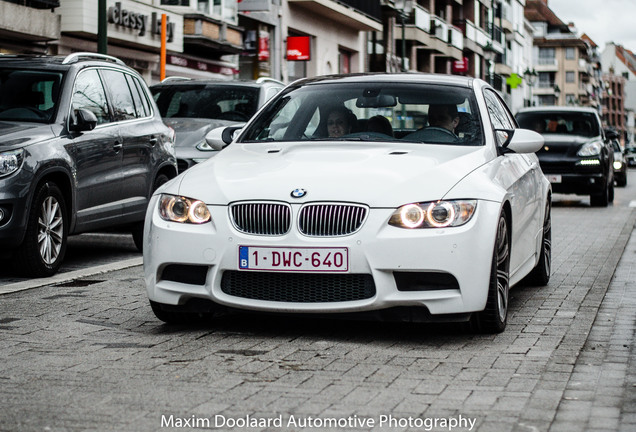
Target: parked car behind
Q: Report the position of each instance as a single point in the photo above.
(620, 164)
(576, 156)
(630, 155)
(195, 107)
(393, 219)
(83, 147)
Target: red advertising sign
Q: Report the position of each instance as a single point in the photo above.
(460, 65)
(298, 48)
(263, 46)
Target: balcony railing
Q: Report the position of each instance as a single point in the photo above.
(370, 8)
(439, 28)
(422, 19)
(456, 37)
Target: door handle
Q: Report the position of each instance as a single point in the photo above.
(117, 147)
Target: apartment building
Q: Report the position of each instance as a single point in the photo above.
(567, 65)
(619, 61)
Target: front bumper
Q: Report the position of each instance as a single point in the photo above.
(14, 199)
(184, 262)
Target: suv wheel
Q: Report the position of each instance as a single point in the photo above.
(42, 251)
(602, 199)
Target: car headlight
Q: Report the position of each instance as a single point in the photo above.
(618, 165)
(204, 146)
(436, 214)
(10, 161)
(590, 149)
(184, 210)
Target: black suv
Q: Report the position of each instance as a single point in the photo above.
(82, 148)
(577, 157)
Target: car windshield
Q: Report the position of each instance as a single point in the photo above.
(28, 95)
(221, 102)
(368, 111)
(564, 123)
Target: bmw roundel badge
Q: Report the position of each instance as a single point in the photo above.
(298, 193)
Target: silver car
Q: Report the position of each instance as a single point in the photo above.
(195, 107)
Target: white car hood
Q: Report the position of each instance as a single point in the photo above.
(379, 175)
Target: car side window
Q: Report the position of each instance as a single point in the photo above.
(88, 93)
(499, 116)
(122, 100)
(139, 106)
(144, 96)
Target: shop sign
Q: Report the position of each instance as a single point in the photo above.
(200, 65)
(460, 65)
(263, 46)
(298, 48)
(137, 21)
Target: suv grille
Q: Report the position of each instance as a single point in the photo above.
(330, 220)
(298, 287)
(261, 218)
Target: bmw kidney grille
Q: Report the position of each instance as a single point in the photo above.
(314, 220)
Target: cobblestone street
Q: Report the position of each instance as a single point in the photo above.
(89, 355)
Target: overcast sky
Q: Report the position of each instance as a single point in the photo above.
(602, 20)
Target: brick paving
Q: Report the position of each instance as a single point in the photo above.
(90, 356)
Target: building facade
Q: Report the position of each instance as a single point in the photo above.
(29, 27)
(619, 61)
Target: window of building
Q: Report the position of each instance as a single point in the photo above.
(546, 56)
(569, 77)
(570, 99)
(569, 53)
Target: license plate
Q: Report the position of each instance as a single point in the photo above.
(293, 259)
(554, 178)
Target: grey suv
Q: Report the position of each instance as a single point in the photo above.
(195, 107)
(82, 148)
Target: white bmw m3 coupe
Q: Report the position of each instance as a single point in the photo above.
(404, 197)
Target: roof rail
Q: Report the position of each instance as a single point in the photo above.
(77, 56)
(268, 79)
(175, 78)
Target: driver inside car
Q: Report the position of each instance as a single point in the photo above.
(340, 121)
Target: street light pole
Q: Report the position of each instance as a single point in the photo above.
(489, 55)
(531, 75)
(404, 9)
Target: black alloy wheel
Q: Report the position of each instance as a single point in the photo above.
(494, 317)
(540, 275)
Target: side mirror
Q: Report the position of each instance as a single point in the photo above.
(82, 120)
(222, 136)
(525, 141)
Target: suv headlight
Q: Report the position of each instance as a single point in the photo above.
(435, 214)
(11, 161)
(590, 149)
(184, 210)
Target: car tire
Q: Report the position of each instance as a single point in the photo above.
(621, 180)
(42, 251)
(138, 229)
(602, 199)
(494, 317)
(540, 275)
